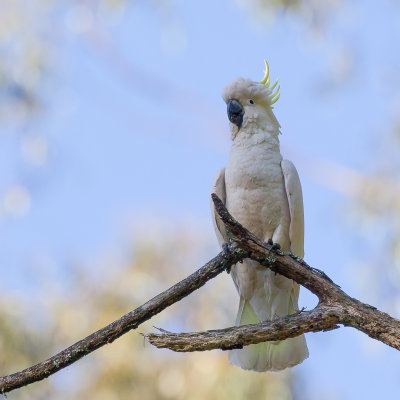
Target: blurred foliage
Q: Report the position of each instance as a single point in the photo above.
(32, 329)
(129, 366)
(312, 13)
(31, 42)
(23, 59)
(30, 33)
(32, 38)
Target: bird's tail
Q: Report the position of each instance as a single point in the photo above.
(267, 356)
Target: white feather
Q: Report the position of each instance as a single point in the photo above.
(264, 194)
(295, 200)
(218, 187)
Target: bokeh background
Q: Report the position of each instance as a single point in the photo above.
(112, 127)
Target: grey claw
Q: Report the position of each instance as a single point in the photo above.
(227, 252)
(225, 249)
(275, 246)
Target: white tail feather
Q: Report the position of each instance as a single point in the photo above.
(268, 356)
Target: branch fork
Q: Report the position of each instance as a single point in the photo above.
(335, 308)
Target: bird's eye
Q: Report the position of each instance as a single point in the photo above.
(251, 101)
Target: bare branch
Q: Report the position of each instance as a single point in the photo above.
(123, 325)
(335, 306)
(320, 319)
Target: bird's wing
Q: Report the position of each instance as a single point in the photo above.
(218, 187)
(295, 200)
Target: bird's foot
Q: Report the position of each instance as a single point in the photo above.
(274, 246)
(225, 249)
(227, 252)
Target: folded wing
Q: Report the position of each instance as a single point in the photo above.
(218, 187)
(295, 200)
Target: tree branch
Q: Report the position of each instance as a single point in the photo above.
(319, 319)
(130, 321)
(335, 306)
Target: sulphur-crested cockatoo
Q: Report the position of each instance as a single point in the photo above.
(263, 192)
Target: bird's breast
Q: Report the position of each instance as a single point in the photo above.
(255, 188)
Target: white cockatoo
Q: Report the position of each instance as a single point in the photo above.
(263, 192)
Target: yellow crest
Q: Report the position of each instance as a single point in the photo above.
(266, 81)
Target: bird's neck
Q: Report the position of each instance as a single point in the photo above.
(255, 136)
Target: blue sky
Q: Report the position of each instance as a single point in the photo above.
(136, 129)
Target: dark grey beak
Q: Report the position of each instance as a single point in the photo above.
(235, 112)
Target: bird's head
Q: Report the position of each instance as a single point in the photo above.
(249, 104)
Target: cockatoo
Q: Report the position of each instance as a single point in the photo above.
(263, 192)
